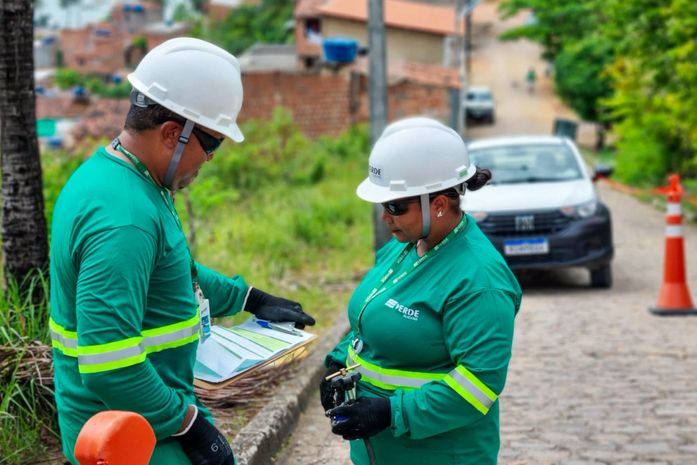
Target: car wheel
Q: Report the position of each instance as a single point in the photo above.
(602, 277)
(492, 119)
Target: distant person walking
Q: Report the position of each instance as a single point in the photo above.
(530, 78)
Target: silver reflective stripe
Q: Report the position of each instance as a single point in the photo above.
(674, 231)
(389, 381)
(674, 209)
(468, 386)
(64, 341)
(151, 341)
(170, 337)
(112, 356)
(396, 381)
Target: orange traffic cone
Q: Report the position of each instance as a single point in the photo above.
(674, 297)
(115, 438)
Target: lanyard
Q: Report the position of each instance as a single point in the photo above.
(166, 197)
(384, 285)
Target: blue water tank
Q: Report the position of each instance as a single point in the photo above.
(126, 7)
(55, 142)
(79, 91)
(340, 49)
(116, 79)
(138, 8)
(40, 90)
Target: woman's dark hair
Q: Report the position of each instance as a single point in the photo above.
(479, 179)
(144, 118)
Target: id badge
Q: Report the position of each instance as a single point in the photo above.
(204, 309)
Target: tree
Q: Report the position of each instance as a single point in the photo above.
(248, 24)
(554, 24)
(582, 81)
(25, 244)
(655, 86)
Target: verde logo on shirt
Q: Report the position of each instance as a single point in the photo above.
(408, 313)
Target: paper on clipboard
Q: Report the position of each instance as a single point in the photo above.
(229, 352)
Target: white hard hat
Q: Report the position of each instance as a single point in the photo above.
(412, 157)
(196, 80)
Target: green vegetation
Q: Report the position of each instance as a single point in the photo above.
(629, 65)
(27, 413)
(279, 209)
(67, 78)
(268, 22)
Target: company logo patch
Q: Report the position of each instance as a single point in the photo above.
(408, 313)
(375, 171)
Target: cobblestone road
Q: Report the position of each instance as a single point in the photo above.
(595, 379)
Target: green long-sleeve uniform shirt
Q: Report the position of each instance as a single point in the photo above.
(450, 321)
(124, 320)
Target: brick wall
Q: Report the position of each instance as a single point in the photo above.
(322, 103)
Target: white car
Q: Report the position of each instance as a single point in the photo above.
(541, 209)
(479, 104)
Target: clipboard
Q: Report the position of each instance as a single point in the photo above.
(231, 354)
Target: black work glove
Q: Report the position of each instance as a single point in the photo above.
(326, 394)
(204, 444)
(272, 308)
(365, 417)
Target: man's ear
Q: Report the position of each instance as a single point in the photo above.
(169, 134)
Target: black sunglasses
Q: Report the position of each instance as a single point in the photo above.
(401, 206)
(208, 143)
(398, 207)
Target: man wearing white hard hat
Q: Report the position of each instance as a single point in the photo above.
(432, 321)
(128, 300)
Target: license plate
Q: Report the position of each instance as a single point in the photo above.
(537, 246)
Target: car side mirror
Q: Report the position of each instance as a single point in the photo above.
(602, 171)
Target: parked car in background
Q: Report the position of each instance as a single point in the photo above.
(542, 209)
(479, 104)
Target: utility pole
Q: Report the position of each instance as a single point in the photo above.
(377, 92)
(457, 120)
(463, 14)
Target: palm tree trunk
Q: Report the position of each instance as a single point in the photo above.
(24, 235)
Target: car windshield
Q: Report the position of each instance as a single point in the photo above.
(527, 163)
(478, 96)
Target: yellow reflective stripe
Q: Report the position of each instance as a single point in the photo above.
(109, 346)
(390, 378)
(470, 388)
(127, 352)
(106, 366)
(172, 344)
(69, 351)
(52, 325)
(194, 320)
(62, 339)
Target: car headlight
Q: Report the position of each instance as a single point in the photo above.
(583, 210)
(479, 216)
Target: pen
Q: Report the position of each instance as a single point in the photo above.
(277, 327)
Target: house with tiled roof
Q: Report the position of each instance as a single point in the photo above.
(416, 32)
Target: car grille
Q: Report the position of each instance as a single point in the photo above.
(524, 224)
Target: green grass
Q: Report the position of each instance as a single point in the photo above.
(279, 209)
(27, 412)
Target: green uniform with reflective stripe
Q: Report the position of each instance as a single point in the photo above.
(124, 321)
(437, 344)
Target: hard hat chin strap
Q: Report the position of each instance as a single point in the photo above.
(177, 155)
(425, 216)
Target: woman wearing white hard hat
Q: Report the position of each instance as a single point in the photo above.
(128, 302)
(432, 321)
